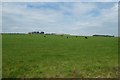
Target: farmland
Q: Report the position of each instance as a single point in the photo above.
(56, 56)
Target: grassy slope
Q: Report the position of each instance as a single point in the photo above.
(57, 56)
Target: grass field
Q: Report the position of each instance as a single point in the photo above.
(54, 56)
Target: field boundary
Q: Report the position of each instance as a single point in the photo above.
(60, 79)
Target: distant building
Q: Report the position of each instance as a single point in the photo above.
(104, 35)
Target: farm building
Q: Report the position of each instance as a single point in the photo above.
(103, 35)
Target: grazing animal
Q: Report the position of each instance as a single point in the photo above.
(85, 37)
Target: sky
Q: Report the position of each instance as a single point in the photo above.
(59, 0)
(75, 18)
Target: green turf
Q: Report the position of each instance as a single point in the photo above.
(0, 56)
(54, 56)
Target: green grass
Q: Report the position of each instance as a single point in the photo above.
(54, 56)
(0, 56)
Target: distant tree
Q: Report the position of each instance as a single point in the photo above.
(37, 32)
(42, 33)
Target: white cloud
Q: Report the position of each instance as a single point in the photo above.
(80, 8)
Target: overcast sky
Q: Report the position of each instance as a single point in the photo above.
(77, 18)
(59, 0)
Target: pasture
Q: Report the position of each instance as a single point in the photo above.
(54, 56)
